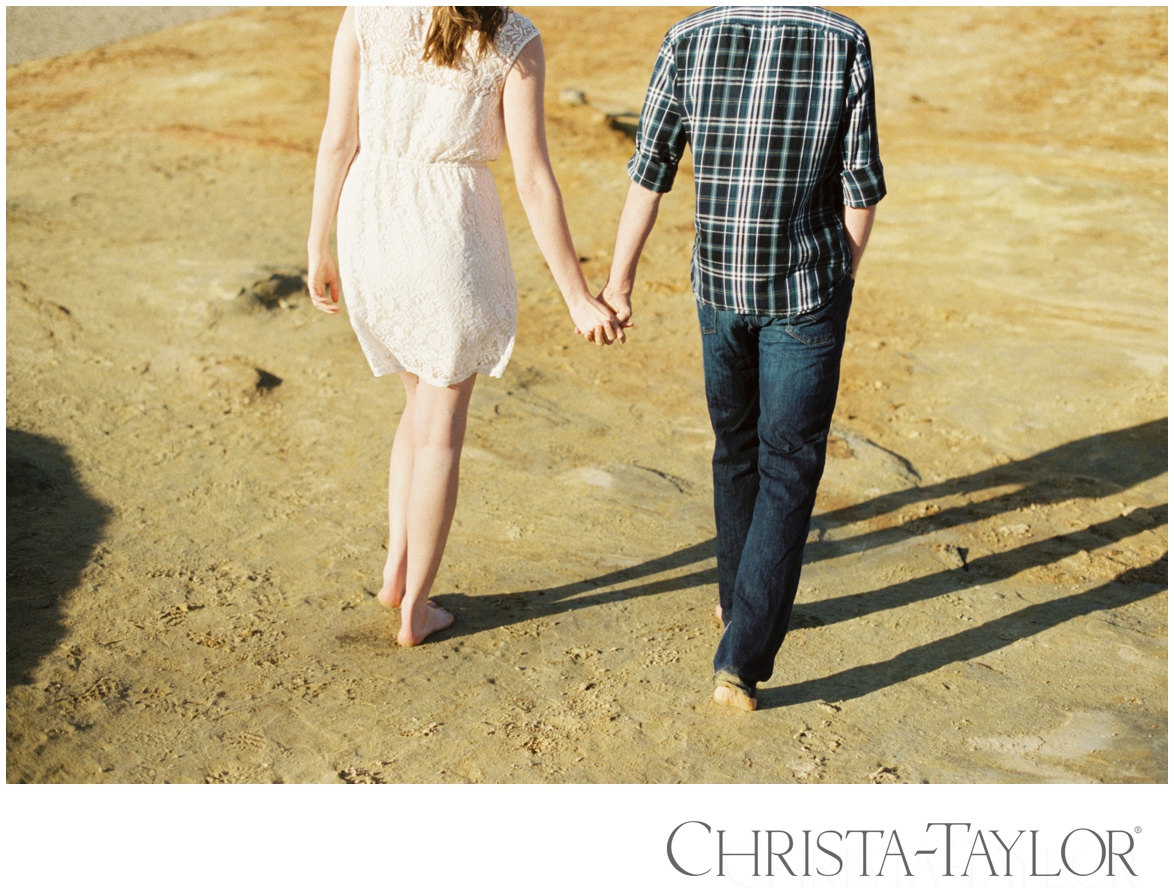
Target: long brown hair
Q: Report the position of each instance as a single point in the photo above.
(451, 26)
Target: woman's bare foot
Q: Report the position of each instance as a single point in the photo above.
(436, 618)
(735, 698)
(717, 614)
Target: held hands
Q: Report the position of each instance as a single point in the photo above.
(602, 320)
(617, 305)
(323, 276)
(597, 322)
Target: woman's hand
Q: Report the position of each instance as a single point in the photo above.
(323, 282)
(336, 151)
(595, 321)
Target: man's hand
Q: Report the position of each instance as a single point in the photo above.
(636, 220)
(858, 226)
(620, 302)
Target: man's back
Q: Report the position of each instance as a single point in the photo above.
(777, 104)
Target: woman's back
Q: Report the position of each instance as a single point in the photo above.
(422, 243)
(423, 112)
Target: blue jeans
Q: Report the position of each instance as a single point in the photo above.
(771, 386)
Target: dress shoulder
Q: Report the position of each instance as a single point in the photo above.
(513, 36)
(391, 41)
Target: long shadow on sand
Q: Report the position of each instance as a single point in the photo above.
(1131, 586)
(985, 570)
(1089, 468)
(53, 529)
(1093, 467)
(496, 610)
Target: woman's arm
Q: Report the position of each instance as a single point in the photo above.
(525, 127)
(336, 151)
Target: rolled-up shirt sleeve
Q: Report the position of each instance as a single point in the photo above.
(863, 177)
(661, 135)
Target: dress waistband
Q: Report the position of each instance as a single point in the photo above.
(420, 163)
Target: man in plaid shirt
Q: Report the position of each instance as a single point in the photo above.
(777, 105)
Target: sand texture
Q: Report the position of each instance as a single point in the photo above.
(197, 458)
(42, 32)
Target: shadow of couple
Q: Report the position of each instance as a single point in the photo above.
(1090, 468)
(54, 528)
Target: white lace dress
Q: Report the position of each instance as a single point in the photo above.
(422, 245)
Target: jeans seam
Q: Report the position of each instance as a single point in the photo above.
(791, 331)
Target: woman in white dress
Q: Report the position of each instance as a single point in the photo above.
(420, 99)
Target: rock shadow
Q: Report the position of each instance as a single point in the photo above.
(54, 527)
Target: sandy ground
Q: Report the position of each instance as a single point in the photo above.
(196, 458)
(42, 32)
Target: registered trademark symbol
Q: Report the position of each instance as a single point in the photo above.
(1137, 828)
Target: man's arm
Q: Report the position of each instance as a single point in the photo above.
(661, 138)
(636, 220)
(863, 175)
(858, 226)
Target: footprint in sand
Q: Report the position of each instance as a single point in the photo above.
(361, 776)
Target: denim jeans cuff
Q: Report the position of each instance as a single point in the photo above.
(731, 679)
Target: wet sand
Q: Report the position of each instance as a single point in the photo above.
(197, 459)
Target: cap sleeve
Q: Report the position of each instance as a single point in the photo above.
(513, 36)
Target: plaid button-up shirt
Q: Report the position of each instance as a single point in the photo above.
(778, 107)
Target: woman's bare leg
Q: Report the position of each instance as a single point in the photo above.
(399, 483)
(439, 416)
